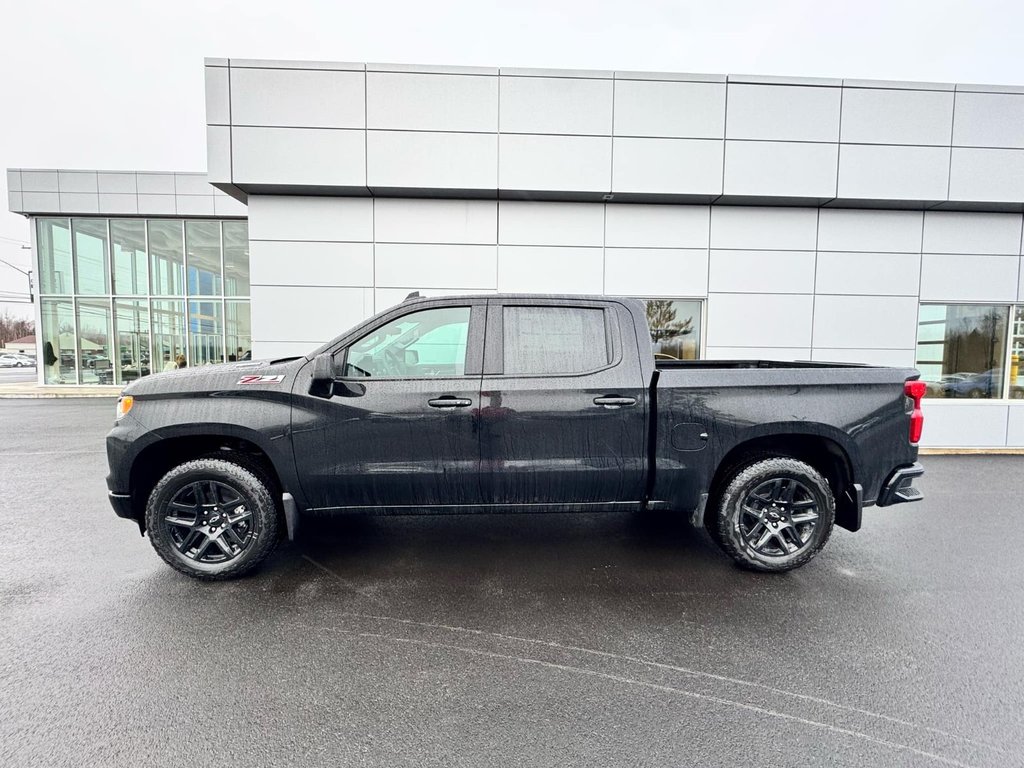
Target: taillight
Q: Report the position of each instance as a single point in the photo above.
(915, 391)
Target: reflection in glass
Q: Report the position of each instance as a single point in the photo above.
(431, 342)
(236, 259)
(167, 257)
(91, 261)
(168, 320)
(96, 365)
(675, 328)
(960, 349)
(128, 246)
(131, 327)
(202, 240)
(53, 243)
(206, 332)
(541, 340)
(57, 340)
(1017, 355)
(238, 330)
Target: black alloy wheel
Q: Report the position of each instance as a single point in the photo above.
(209, 522)
(775, 514)
(213, 518)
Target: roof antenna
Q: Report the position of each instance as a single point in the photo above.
(413, 295)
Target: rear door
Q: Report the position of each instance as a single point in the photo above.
(562, 405)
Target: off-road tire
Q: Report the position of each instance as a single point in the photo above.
(233, 472)
(726, 518)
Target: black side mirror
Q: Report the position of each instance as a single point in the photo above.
(322, 380)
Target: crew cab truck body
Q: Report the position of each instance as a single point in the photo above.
(510, 403)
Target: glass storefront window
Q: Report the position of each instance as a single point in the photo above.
(131, 328)
(202, 243)
(168, 321)
(58, 341)
(236, 258)
(92, 269)
(95, 358)
(675, 328)
(1017, 355)
(167, 257)
(131, 265)
(53, 243)
(238, 330)
(960, 349)
(206, 332)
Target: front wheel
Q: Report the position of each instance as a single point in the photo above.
(212, 519)
(775, 515)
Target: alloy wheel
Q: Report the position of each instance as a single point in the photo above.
(210, 522)
(778, 517)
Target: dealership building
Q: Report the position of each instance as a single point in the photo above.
(764, 217)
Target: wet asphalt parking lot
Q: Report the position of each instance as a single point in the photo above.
(599, 640)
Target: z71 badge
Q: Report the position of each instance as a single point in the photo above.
(256, 379)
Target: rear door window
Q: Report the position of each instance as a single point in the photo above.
(554, 340)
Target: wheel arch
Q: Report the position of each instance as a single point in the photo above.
(828, 454)
(157, 458)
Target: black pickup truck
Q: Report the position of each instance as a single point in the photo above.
(510, 403)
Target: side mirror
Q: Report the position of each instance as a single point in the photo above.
(322, 380)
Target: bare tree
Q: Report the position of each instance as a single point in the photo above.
(12, 328)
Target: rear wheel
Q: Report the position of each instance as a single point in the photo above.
(775, 515)
(212, 518)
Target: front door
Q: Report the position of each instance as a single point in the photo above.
(562, 405)
(399, 430)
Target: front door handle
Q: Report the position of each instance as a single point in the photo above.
(449, 402)
(614, 401)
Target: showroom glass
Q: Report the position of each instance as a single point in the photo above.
(128, 282)
(675, 328)
(53, 243)
(551, 340)
(130, 260)
(94, 342)
(168, 322)
(57, 337)
(428, 343)
(236, 258)
(131, 321)
(237, 330)
(167, 253)
(92, 268)
(202, 243)
(961, 349)
(206, 332)
(1017, 354)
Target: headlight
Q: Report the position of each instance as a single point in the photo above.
(124, 404)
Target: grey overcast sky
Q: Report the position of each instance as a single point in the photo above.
(115, 84)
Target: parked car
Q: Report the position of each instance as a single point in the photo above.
(973, 385)
(510, 403)
(16, 360)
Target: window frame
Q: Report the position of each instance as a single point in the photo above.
(494, 354)
(702, 303)
(474, 340)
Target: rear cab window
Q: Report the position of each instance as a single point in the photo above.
(554, 340)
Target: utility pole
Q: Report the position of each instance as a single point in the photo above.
(27, 273)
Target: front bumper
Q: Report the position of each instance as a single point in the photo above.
(122, 504)
(899, 488)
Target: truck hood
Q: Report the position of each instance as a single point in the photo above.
(255, 374)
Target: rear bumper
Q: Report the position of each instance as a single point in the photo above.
(899, 488)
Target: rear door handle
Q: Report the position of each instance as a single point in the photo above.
(614, 401)
(449, 402)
